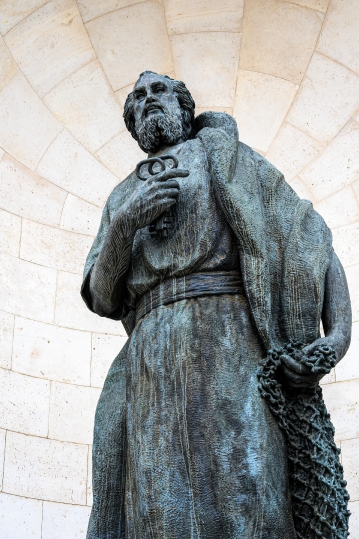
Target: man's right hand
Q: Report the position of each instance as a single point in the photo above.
(152, 197)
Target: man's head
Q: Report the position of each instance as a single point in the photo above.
(159, 111)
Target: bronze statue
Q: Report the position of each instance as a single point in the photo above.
(211, 423)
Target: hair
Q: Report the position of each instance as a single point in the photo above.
(185, 101)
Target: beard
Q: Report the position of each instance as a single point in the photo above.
(158, 129)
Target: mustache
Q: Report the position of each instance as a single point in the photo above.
(151, 105)
(157, 129)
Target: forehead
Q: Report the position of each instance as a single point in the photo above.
(150, 78)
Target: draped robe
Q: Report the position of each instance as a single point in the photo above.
(284, 250)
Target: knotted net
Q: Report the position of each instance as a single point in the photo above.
(319, 496)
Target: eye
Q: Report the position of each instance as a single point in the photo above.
(140, 95)
(160, 89)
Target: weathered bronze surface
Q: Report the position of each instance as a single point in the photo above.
(211, 423)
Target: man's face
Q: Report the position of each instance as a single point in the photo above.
(158, 115)
(152, 95)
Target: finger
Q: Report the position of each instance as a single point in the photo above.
(300, 385)
(295, 365)
(167, 193)
(164, 194)
(308, 350)
(167, 203)
(297, 380)
(172, 173)
(169, 184)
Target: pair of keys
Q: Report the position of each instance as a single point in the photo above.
(160, 227)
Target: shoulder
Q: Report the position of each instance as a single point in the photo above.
(215, 121)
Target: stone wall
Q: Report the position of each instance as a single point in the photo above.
(289, 73)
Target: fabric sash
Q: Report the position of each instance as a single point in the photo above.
(193, 285)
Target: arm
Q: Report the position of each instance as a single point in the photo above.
(336, 314)
(337, 321)
(108, 276)
(107, 285)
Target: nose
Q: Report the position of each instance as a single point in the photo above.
(150, 98)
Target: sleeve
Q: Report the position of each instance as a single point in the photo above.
(92, 256)
(126, 315)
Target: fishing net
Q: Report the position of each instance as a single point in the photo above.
(319, 496)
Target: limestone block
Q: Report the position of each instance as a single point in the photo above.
(63, 521)
(121, 155)
(80, 216)
(91, 9)
(123, 92)
(21, 115)
(208, 63)
(72, 312)
(10, 232)
(72, 412)
(104, 350)
(327, 98)
(342, 403)
(14, 11)
(279, 38)
(292, 150)
(261, 104)
(339, 209)
(350, 461)
(20, 517)
(89, 478)
(142, 43)
(301, 189)
(352, 274)
(339, 38)
(346, 244)
(354, 520)
(27, 289)
(337, 166)
(2, 454)
(67, 164)
(50, 44)
(45, 469)
(6, 333)
(187, 16)
(355, 187)
(25, 193)
(54, 248)
(51, 352)
(24, 403)
(348, 367)
(328, 378)
(8, 66)
(86, 104)
(318, 5)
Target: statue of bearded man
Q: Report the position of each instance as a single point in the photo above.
(185, 445)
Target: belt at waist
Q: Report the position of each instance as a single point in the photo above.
(190, 286)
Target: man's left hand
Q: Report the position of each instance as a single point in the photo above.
(297, 374)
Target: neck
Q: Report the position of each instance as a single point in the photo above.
(161, 150)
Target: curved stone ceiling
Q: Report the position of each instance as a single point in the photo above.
(288, 71)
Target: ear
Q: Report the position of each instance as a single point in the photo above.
(129, 115)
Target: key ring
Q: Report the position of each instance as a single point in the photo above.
(151, 161)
